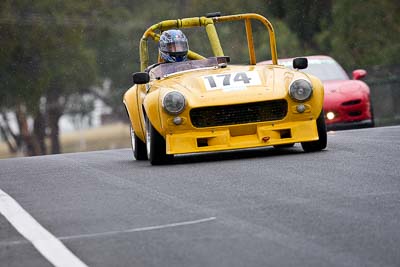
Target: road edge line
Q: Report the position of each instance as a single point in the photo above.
(47, 244)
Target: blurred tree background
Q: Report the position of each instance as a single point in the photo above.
(59, 57)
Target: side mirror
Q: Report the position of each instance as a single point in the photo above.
(359, 74)
(140, 77)
(300, 63)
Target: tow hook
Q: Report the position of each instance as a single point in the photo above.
(266, 139)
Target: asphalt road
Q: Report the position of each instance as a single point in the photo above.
(264, 207)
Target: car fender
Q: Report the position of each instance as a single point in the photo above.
(318, 92)
(364, 87)
(133, 107)
(152, 108)
(317, 96)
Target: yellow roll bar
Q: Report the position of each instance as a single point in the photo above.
(209, 24)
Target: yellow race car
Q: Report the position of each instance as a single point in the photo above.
(207, 104)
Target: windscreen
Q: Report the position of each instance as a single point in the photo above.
(164, 69)
(325, 69)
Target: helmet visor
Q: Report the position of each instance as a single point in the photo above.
(175, 47)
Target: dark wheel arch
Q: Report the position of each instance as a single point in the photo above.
(371, 109)
(284, 146)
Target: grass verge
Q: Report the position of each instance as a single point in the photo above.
(111, 136)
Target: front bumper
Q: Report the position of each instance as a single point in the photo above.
(350, 114)
(241, 136)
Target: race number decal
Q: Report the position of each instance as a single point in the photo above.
(231, 81)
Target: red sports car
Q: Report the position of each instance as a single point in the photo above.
(347, 103)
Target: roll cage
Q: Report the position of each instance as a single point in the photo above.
(208, 22)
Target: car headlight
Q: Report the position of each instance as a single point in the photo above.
(174, 102)
(330, 115)
(300, 90)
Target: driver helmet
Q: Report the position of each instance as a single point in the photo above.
(173, 46)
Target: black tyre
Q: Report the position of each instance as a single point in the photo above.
(138, 147)
(156, 146)
(321, 143)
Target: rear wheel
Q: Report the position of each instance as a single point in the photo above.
(138, 147)
(321, 143)
(156, 146)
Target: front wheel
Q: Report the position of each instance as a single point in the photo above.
(156, 146)
(321, 143)
(138, 146)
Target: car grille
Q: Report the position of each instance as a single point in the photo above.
(351, 102)
(239, 113)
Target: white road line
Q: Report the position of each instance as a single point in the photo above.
(48, 245)
(141, 229)
(149, 228)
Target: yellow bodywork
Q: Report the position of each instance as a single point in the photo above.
(272, 84)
